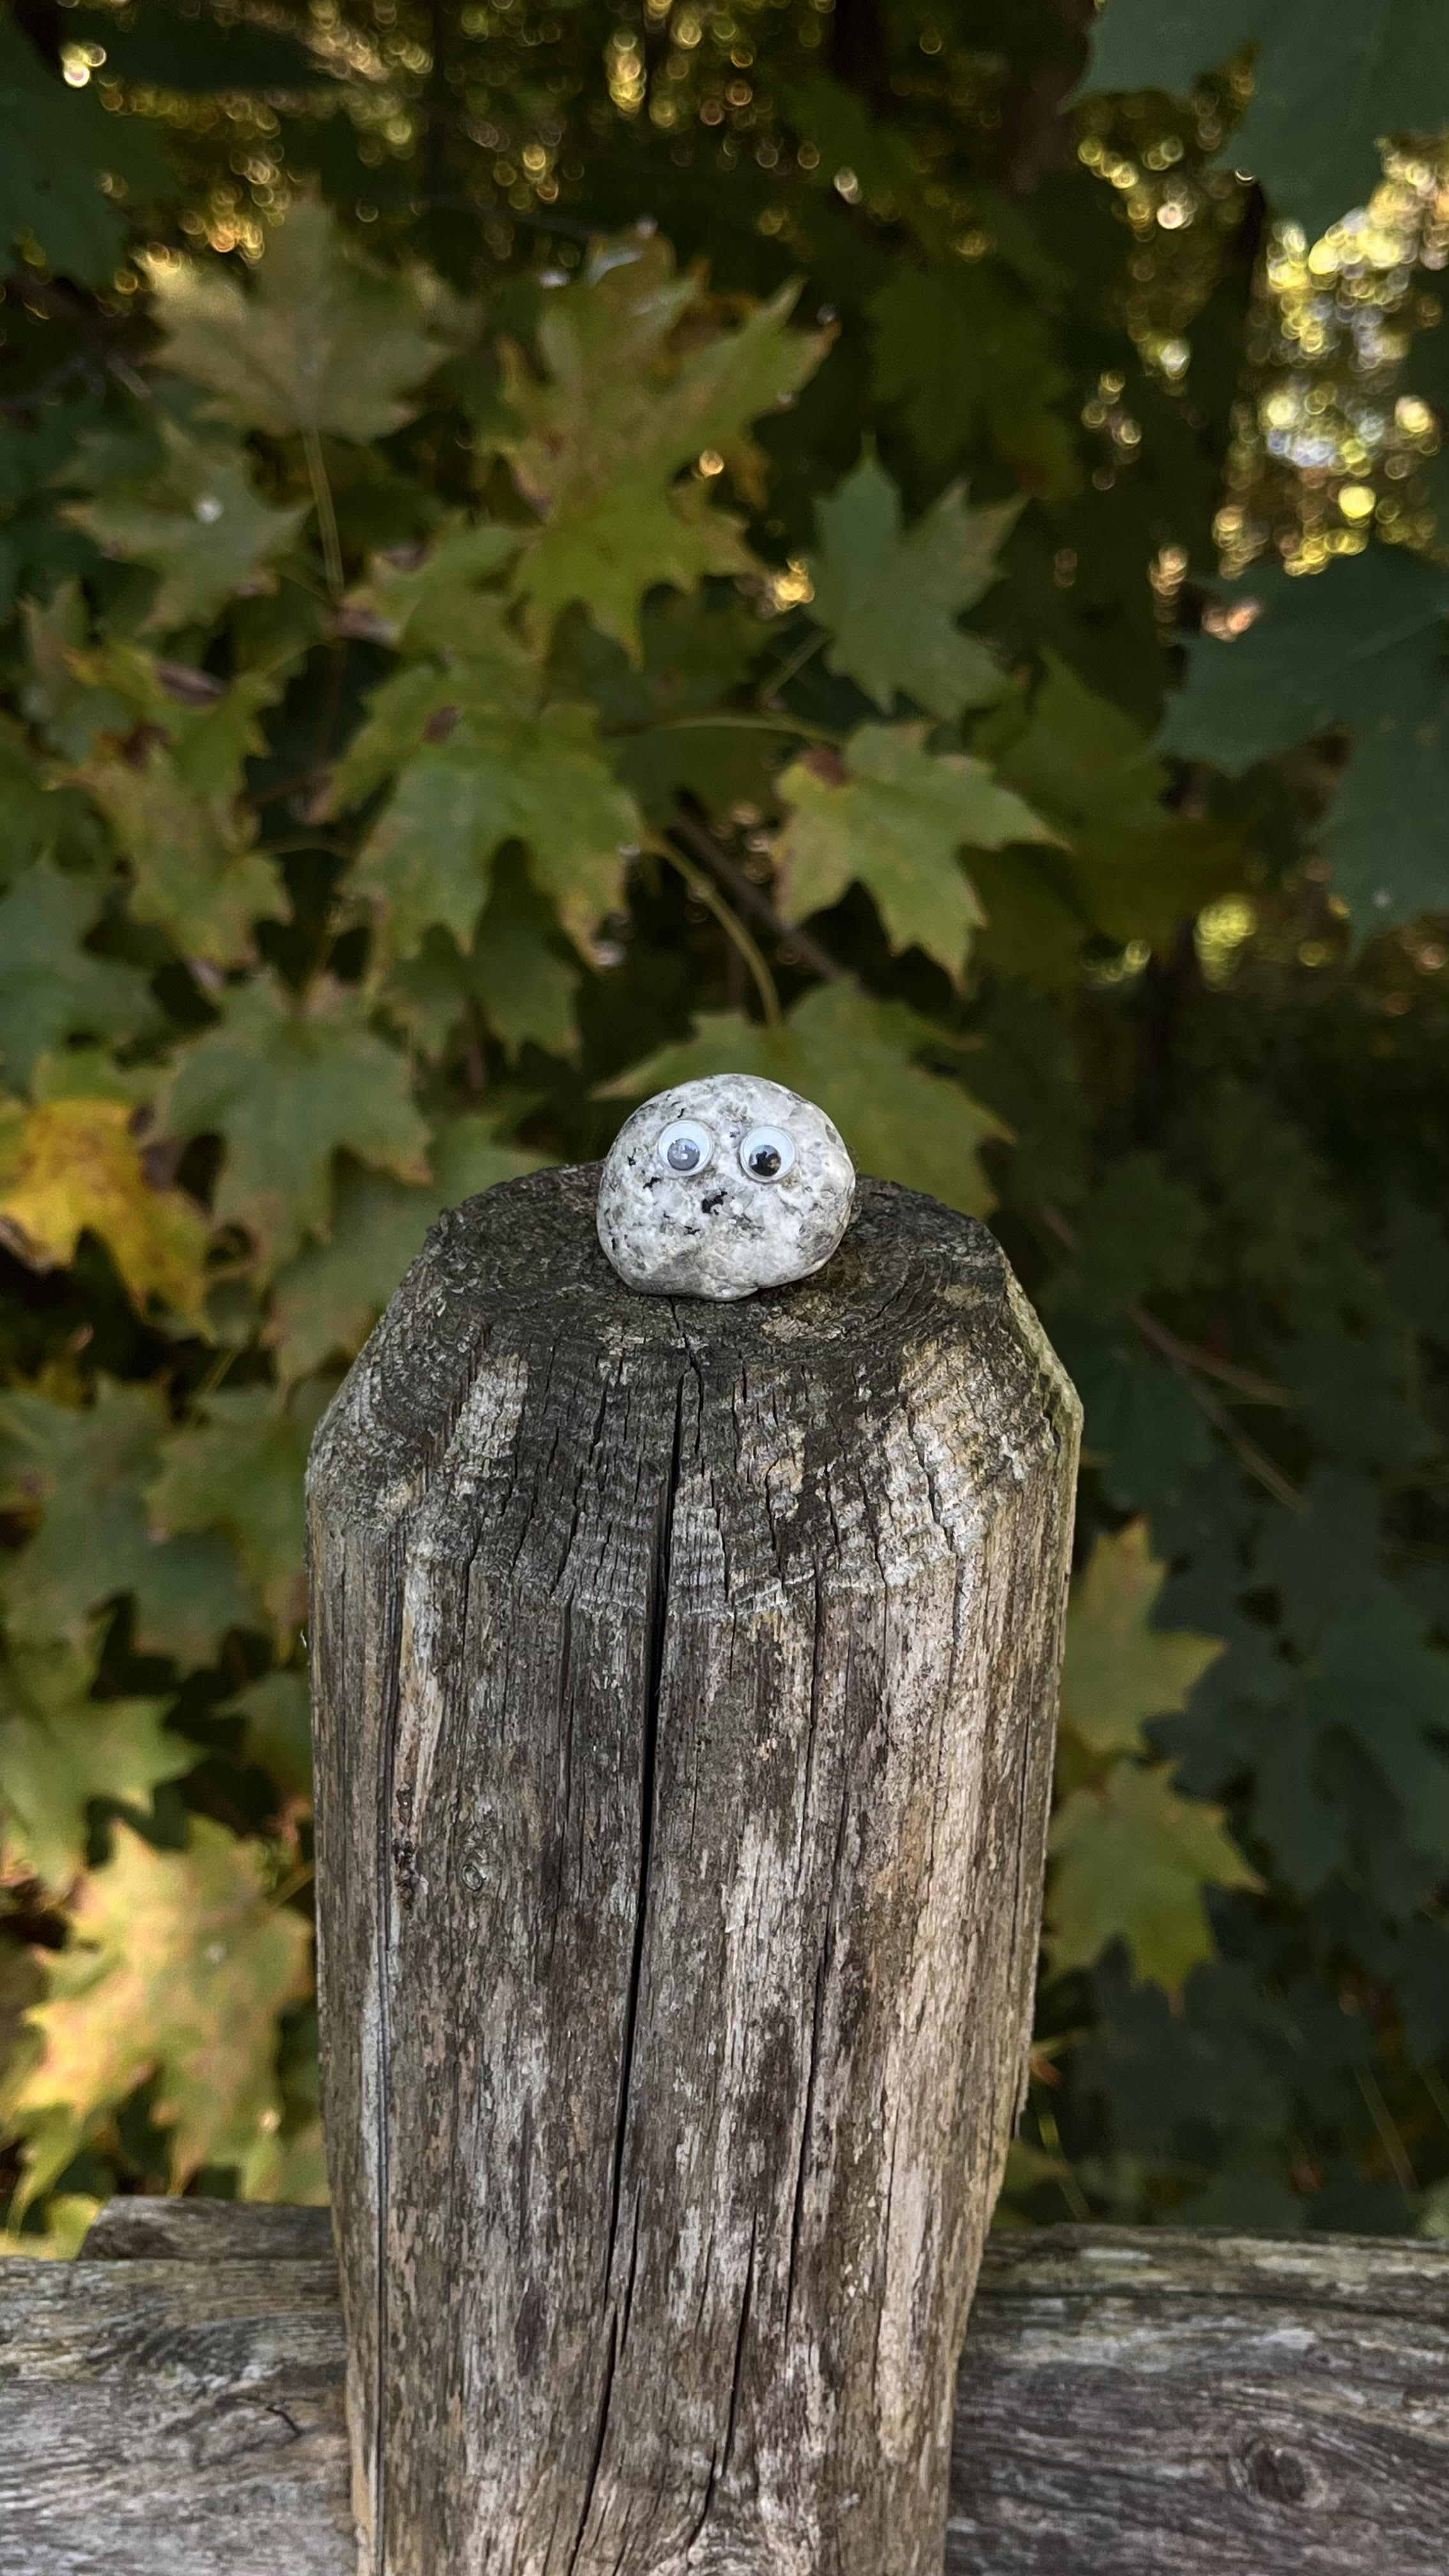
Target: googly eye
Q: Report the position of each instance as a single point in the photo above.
(684, 1148)
(767, 1154)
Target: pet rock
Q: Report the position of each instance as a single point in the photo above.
(721, 1187)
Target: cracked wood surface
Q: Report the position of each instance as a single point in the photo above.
(685, 1686)
(1130, 2403)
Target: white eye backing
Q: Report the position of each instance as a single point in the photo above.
(767, 1154)
(685, 1149)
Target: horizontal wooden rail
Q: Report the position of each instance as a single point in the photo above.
(1131, 2403)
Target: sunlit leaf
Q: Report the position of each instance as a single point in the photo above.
(1120, 1670)
(1131, 1861)
(70, 1166)
(323, 341)
(176, 1969)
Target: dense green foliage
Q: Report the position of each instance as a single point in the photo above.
(548, 547)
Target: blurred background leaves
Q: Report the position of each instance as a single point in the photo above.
(897, 545)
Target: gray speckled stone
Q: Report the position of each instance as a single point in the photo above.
(717, 1231)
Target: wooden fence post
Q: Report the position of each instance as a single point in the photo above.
(685, 1683)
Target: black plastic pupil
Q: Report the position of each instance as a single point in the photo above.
(683, 1154)
(766, 1160)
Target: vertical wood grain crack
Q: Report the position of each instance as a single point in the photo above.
(648, 1768)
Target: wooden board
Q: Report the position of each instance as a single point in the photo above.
(1152, 2403)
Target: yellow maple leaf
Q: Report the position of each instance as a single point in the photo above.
(1120, 1670)
(68, 1166)
(177, 1967)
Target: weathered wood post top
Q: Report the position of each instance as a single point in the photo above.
(685, 1687)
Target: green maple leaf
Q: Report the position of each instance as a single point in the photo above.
(323, 342)
(1130, 868)
(194, 872)
(60, 1748)
(964, 354)
(84, 1468)
(615, 413)
(239, 1469)
(539, 779)
(27, 808)
(177, 1967)
(51, 988)
(443, 605)
(669, 719)
(857, 1058)
(58, 141)
(1361, 647)
(895, 818)
(1132, 1858)
(326, 1301)
(285, 1084)
(198, 523)
(277, 1712)
(514, 973)
(890, 599)
(1328, 85)
(1120, 1670)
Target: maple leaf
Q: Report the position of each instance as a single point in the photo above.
(895, 816)
(277, 1713)
(69, 1166)
(855, 1056)
(323, 342)
(963, 352)
(514, 972)
(194, 871)
(327, 1299)
(1120, 1670)
(890, 600)
(1132, 1858)
(285, 1083)
(60, 1748)
(239, 1469)
(442, 604)
(198, 523)
(177, 1967)
(542, 780)
(51, 988)
(1327, 88)
(621, 405)
(83, 1468)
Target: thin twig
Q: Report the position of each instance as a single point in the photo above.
(733, 928)
(326, 514)
(793, 663)
(686, 827)
(1389, 2138)
(1190, 1365)
(1437, 2090)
